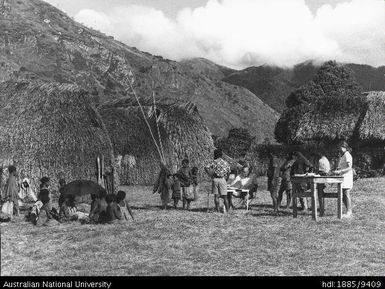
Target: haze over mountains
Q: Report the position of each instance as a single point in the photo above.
(38, 41)
(274, 84)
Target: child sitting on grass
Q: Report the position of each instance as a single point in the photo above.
(68, 211)
(123, 206)
(113, 213)
(98, 213)
(176, 190)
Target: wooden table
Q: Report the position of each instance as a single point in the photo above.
(313, 194)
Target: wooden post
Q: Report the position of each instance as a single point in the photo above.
(294, 200)
(102, 172)
(314, 201)
(208, 200)
(339, 200)
(98, 170)
(321, 202)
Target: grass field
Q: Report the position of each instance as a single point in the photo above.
(177, 242)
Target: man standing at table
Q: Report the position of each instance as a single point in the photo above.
(219, 170)
(323, 170)
(345, 169)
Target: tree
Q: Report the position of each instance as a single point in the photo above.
(237, 143)
(331, 79)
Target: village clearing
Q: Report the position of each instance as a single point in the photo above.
(177, 242)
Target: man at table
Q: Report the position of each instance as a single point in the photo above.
(323, 170)
(244, 181)
(218, 170)
(302, 166)
(345, 169)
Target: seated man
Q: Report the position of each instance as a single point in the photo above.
(27, 196)
(243, 186)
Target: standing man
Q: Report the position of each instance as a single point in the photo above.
(11, 190)
(286, 185)
(219, 170)
(345, 169)
(302, 166)
(273, 180)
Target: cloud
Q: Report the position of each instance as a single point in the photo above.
(240, 33)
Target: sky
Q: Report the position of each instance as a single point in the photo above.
(242, 33)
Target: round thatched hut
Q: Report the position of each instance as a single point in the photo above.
(182, 133)
(360, 120)
(51, 129)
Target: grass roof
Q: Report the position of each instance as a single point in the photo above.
(182, 131)
(329, 119)
(51, 129)
(373, 124)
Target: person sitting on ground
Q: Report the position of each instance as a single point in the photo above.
(68, 211)
(27, 196)
(185, 177)
(123, 206)
(286, 185)
(244, 181)
(113, 213)
(45, 217)
(176, 190)
(99, 213)
(44, 187)
(218, 170)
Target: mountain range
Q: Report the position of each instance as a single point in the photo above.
(38, 41)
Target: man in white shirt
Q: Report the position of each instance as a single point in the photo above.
(345, 169)
(323, 170)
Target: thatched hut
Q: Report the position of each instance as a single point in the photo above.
(51, 129)
(359, 120)
(182, 133)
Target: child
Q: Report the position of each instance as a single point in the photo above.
(113, 214)
(123, 206)
(176, 190)
(44, 217)
(99, 212)
(184, 176)
(68, 211)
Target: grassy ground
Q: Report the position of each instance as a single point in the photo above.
(177, 242)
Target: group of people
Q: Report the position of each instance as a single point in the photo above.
(279, 178)
(182, 185)
(38, 208)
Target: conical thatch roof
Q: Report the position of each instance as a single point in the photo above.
(373, 124)
(331, 119)
(51, 129)
(182, 131)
